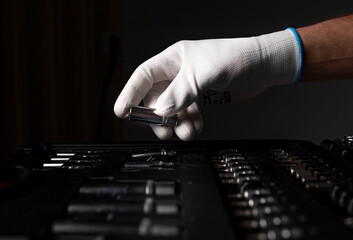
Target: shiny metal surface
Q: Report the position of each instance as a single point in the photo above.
(148, 115)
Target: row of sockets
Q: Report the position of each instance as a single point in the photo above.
(320, 178)
(114, 209)
(258, 206)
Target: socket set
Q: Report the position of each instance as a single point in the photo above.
(253, 190)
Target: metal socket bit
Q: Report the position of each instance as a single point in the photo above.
(162, 152)
(148, 115)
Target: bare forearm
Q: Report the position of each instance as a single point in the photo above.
(328, 50)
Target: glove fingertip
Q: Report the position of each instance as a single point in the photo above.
(164, 108)
(198, 126)
(121, 111)
(165, 112)
(186, 137)
(185, 132)
(170, 101)
(162, 132)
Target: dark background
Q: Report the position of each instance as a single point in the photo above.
(55, 56)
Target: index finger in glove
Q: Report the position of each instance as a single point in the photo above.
(163, 66)
(162, 132)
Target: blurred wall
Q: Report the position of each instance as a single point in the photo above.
(54, 58)
(310, 111)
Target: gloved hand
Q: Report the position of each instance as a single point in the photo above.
(175, 80)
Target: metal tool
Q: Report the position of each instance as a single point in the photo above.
(148, 115)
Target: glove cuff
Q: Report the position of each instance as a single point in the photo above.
(300, 49)
(283, 53)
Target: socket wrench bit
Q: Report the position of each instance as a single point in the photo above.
(162, 152)
(148, 115)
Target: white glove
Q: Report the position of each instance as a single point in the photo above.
(175, 80)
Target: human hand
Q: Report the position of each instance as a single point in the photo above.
(175, 80)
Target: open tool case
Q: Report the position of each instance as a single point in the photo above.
(275, 189)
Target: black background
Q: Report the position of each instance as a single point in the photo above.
(55, 55)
